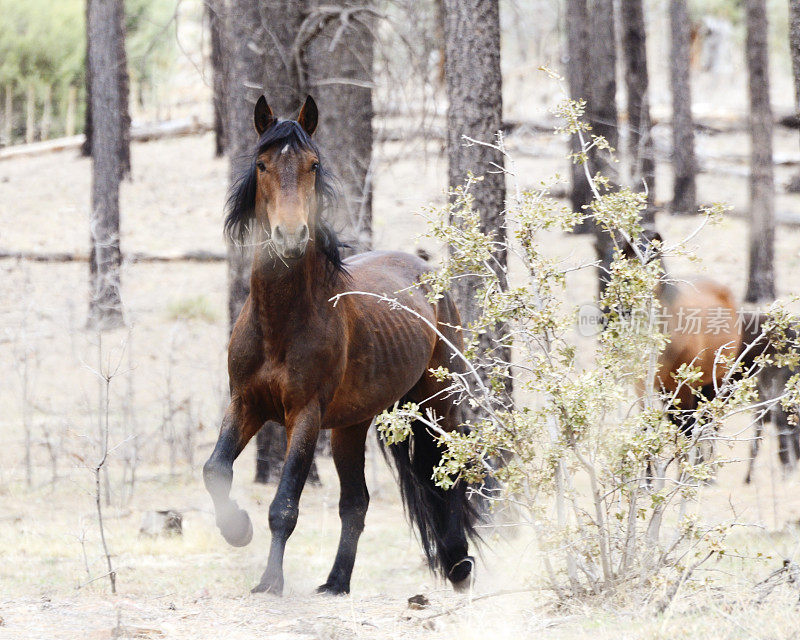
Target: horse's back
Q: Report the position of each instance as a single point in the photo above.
(375, 267)
(702, 325)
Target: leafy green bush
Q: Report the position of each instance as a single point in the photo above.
(592, 462)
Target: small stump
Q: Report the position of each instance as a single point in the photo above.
(167, 522)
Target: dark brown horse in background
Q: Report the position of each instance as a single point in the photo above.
(772, 380)
(298, 359)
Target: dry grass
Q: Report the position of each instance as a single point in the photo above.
(195, 585)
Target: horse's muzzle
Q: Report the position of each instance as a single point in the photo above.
(290, 245)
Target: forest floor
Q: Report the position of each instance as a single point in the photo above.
(169, 389)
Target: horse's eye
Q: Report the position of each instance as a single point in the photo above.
(261, 166)
(315, 166)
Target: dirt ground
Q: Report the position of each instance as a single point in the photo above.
(169, 390)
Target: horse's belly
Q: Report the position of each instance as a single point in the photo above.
(381, 369)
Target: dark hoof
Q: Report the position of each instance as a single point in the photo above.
(275, 588)
(333, 589)
(460, 574)
(236, 527)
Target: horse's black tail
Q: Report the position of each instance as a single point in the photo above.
(444, 519)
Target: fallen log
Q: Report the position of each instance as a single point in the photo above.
(140, 132)
(199, 255)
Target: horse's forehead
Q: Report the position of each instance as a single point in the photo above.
(285, 155)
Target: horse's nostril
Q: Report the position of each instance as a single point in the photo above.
(304, 233)
(278, 235)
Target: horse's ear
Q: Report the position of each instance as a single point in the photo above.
(262, 116)
(308, 116)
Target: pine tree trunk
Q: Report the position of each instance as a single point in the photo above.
(603, 114)
(640, 140)
(105, 304)
(338, 62)
(245, 70)
(578, 60)
(124, 141)
(794, 47)
(684, 164)
(215, 27)
(86, 147)
(761, 275)
(474, 90)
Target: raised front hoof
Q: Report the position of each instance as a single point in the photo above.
(236, 527)
(275, 587)
(460, 574)
(334, 589)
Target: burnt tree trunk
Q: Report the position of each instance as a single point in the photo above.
(761, 272)
(215, 27)
(684, 164)
(794, 47)
(245, 71)
(86, 147)
(105, 303)
(640, 140)
(474, 91)
(123, 80)
(577, 64)
(338, 73)
(603, 114)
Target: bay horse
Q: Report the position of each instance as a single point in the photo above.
(298, 359)
(699, 317)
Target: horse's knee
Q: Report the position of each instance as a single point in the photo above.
(282, 518)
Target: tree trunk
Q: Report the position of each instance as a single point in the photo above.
(215, 28)
(86, 147)
(578, 61)
(684, 164)
(338, 61)
(761, 276)
(603, 114)
(124, 133)
(474, 91)
(640, 140)
(105, 304)
(245, 70)
(124, 142)
(794, 47)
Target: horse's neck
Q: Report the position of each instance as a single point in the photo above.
(282, 290)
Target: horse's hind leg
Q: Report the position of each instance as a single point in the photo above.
(238, 426)
(348, 445)
(755, 445)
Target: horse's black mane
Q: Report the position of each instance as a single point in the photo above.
(242, 195)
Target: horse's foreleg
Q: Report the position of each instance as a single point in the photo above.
(237, 429)
(303, 430)
(347, 446)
